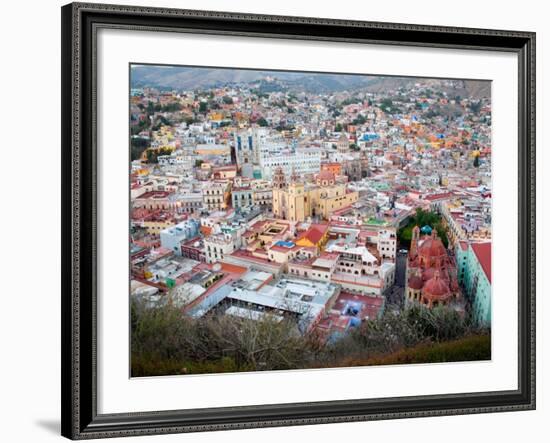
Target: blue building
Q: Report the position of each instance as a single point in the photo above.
(474, 275)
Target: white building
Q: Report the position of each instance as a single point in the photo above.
(215, 195)
(171, 238)
(248, 144)
(217, 246)
(387, 243)
(299, 161)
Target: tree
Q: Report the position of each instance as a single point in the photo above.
(442, 234)
(165, 341)
(420, 219)
(475, 107)
(153, 154)
(203, 107)
(138, 145)
(386, 104)
(262, 122)
(338, 127)
(227, 100)
(359, 120)
(171, 107)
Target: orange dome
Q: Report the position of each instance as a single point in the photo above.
(429, 273)
(432, 247)
(415, 282)
(436, 288)
(325, 175)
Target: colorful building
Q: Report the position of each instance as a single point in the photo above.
(334, 167)
(474, 275)
(431, 277)
(297, 201)
(316, 236)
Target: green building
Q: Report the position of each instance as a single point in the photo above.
(473, 262)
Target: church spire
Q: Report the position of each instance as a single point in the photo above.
(279, 180)
(294, 178)
(414, 241)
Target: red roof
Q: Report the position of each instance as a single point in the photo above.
(438, 196)
(436, 288)
(228, 267)
(432, 247)
(315, 233)
(155, 194)
(415, 282)
(483, 254)
(325, 175)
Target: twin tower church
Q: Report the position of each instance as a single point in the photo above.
(296, 200)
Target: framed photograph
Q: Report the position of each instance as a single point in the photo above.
(274, 221)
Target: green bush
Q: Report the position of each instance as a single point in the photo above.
(420, 219)
(165, 341)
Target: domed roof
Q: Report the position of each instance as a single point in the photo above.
(432, 247)
(429, 273)
(415, 282)
(436, 288)
(426, 229)
(325, 175)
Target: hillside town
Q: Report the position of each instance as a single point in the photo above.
(258, 198)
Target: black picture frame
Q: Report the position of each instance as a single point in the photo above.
(79, 210)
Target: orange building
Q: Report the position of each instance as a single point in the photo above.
(334, 167)
(316, 236)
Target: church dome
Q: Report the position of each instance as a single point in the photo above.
(436, 288)
(325, 175)
(429, 273)
(415, 282)
(432, 247)
(325, 178)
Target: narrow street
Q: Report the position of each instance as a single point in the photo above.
(395, 294)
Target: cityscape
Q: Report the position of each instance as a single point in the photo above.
(294, 220)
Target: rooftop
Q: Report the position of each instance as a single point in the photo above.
(483, 254)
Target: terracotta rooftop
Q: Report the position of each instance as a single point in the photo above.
(483, 254)
(313, 234)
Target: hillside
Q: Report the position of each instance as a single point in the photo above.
(189, 78)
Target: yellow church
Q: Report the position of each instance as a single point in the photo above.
(296, 201)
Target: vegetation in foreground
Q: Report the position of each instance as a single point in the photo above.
(165, 342)
(423, 218)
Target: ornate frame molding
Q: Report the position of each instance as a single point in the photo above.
(79, 391)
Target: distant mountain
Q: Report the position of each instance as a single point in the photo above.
(188, 78)
(475, 89)
(191, 78)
